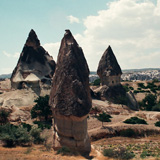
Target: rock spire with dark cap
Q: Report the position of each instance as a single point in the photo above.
(34, 64)
(70, 91)
(108, 67)
(70, 97)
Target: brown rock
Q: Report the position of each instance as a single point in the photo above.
(109, 70)
(70, 97)
(34, 65)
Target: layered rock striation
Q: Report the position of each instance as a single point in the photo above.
(70, 97)
(109, 70)
(35, 65)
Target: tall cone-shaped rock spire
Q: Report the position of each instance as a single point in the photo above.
(32, 39)
(34, 65)
(70, 97)
(109, 70)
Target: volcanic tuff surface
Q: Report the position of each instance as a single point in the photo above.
(70, 97)
(108, 64)
(34, 64)
(70, 93)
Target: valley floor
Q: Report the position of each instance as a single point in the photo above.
(40, 152)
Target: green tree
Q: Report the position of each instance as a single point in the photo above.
(149, 101)
(3, 116)
(14, 135)
(42, 108)
(103, 117)
(97, 82)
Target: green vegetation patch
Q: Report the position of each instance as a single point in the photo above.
(14, 135)
(103, 117)
(157, 124)
(127, 133)
(121, 153)
(135, 120)
(64, 151)
(97, 82)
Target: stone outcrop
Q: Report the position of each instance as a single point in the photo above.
(109, 70)
(70, 97)
(132, 102)
(111, 89)
(35, 65)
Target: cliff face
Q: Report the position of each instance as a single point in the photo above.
(70, 97)
(34, 64)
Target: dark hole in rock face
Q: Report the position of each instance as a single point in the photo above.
(71, 138)
(113, 82)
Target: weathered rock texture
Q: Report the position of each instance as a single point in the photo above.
(70, 97)
(34, 65)
(109, 70)
(111, 89)
(132, 102)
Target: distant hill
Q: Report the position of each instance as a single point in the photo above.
(4, 76)
(131, 70)
(139, 70)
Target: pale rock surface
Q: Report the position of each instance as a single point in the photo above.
(35, 65)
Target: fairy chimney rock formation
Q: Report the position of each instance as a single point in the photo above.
(70, 97)
(109, 70)
(34, 65)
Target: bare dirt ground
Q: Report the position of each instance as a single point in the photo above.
(104, 135)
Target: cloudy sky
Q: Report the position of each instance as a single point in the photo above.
(131, 27)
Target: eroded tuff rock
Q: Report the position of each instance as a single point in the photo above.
(109, 70)
(70, 97)
(34, 65)
(111, 89)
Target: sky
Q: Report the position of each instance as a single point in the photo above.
(130, 27)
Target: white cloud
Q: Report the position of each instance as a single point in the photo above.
(131, 27)
(52, 49)
(15, 55)
(73, 19)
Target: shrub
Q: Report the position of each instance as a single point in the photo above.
(27, 126)
(108, 152)
(131, 88)
(14, 135)
(42, 108)
(64, 151)
(157, 124)
(141, 85)
(43, 125)
(149, 101)
(104, 118)
(121, 153)
(145, 154)
(97, 82)
(151, 85)
(36, 134)
(156, 107)
(155, 81)
(3, 116)
(126, 88)
(135, 91)
(127, 133)
(135, 120)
